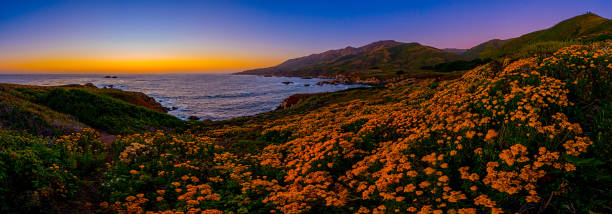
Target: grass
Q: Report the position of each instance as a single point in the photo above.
(53, 111)
(588, 27)
(460, 65)
(106, 113)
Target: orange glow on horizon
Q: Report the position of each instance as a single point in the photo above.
(155, 65)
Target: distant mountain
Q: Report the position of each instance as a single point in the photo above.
(484, 48)
(389, 59)
(455, 50)
(586, 27)
(382, 59)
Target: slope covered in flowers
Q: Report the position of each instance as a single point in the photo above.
(512, 136)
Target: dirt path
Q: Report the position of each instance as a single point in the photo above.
(106, 138)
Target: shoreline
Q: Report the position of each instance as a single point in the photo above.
(177, 109)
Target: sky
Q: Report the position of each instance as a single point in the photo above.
(152, 36)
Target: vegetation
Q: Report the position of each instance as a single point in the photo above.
(587, 27)
(52, 111)
(494, 140)
(106, 113)
(18, 112)
(529, 134)
(39, 174)
(459, 65)
(484, 49)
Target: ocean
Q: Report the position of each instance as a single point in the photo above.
(207, 96)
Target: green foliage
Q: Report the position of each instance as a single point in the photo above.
(32, 176)
(275, 137)
(589, 82)
(459, 65)
(21, 117)
(106, 113)
(542, 48)
(354, 126)
(587, 27)
(82, 152)
(483, 49)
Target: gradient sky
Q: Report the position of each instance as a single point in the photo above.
(187, 36)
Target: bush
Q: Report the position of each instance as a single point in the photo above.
(33, 177)
(459, 65)
(106, 113)
(82, 152)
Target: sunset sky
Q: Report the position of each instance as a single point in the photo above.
(208, 36)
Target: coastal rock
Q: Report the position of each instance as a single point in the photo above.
(136, 98)
(287, 82)
(193, 118)
(330, 82)
(90, 85)
(294, 100)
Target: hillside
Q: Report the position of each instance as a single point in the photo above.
(455, 50)
(381, 60)
(44, 110)
(583, 28)
(484, 48)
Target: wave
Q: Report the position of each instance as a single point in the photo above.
(235, 95)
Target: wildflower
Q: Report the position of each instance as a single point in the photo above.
(491, 134)
(484, 201)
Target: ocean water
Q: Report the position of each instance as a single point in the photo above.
(207, 96)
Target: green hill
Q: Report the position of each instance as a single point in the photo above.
(583, 28)
(484, 48)
(57, 110)
(382, 60)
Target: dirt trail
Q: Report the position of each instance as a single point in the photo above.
(106, 138)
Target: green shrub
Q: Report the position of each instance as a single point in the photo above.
(32, 174)
(107, 113)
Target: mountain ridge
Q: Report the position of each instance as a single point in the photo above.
(373, 60)
(380, 60)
